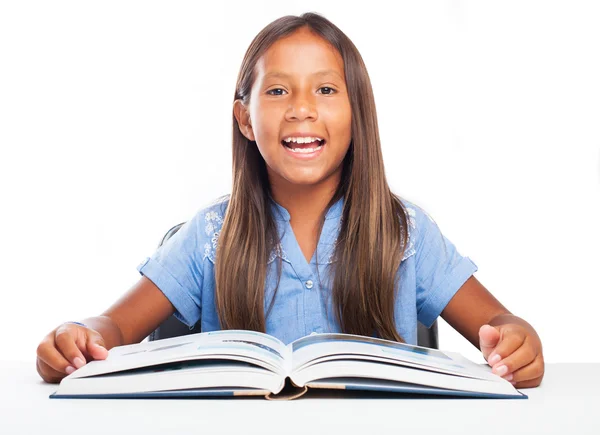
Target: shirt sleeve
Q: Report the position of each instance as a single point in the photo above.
(176, 269)
(440, 269)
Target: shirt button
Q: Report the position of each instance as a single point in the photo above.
(308, 284)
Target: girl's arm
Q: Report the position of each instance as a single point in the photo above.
(134, 316)
(70, 346)
(508, 343)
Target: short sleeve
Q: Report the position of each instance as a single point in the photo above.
(176, 268)
(440, 269)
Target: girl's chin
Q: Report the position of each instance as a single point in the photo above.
(306, 177)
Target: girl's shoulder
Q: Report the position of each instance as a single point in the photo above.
(209, 219)
(419, 222)
(415, 214)
(212, 214)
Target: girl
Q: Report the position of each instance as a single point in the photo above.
(311, 238)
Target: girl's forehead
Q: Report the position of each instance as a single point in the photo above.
(302, 52)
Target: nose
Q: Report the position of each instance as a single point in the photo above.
(301, 108)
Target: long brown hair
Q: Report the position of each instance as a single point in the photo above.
(373, 233)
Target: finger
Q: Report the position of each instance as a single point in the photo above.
(95, 346)
(522, 356)
(66, 339)
(47, 373)
(48, 353)
(533, 370)
(510, 341)
(488, 339)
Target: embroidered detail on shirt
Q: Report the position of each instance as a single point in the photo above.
(410, 249)
(330, 257)
(214, 222)
(278, 252)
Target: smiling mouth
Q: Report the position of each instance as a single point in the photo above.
(306, 148)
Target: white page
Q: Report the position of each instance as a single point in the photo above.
(248, 346)
(468, 371)
(312, 347)
(222, 376)
(362, 369)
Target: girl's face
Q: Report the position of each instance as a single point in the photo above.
(299, 112)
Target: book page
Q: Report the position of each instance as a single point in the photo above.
(248, 346)
(181, 375)
(319, 348)
(397, 373)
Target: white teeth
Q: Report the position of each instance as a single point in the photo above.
(305, 150)
(302, 139)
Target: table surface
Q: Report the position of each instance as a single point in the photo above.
(567, 402)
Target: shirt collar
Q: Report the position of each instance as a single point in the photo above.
(281, 214)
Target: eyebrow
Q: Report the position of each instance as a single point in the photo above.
(280, 74)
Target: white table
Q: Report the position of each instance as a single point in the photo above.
(568, 401)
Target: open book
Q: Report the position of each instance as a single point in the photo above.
(238, 363)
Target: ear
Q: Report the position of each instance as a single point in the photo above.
(240, 111)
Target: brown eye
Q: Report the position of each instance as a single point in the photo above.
(277, 91)
(326, 90)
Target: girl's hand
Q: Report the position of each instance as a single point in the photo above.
(514, 353)
(66, 349)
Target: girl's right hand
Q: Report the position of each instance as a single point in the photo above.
(66, 349)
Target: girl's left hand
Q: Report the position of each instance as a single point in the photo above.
(514, 353)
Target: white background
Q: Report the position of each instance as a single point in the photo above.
(115, 124)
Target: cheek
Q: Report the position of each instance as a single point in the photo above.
(266, 135)
(337, 114)
(340, 127)
(264, 126)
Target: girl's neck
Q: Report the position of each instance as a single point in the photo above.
(304, 203)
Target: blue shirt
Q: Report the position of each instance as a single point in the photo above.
(431, 271)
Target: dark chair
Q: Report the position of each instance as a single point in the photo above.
(172, 327)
